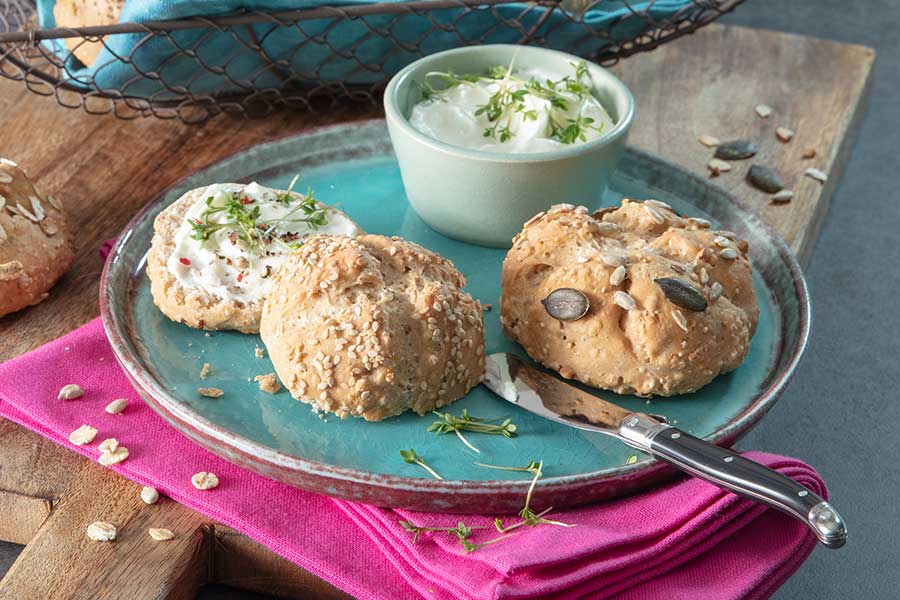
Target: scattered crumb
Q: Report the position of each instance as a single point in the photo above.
(260, 353)
(764, 110)
(488, 307)
(718, 166)
(205, 370)
(709, 141)
(111, 458)
(116, 406)
(108, 445)
(83, 435)
(809, 153)
(101, 531)
(631, 459)
(70, 392)
(160, 535)
(784, 134)
(149, 495)
(268, 383)
(205, 481)
(210, 392)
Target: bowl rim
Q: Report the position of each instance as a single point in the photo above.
(395, 116)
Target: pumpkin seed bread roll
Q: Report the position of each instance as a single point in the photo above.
(633, 299)
(372, 326)
(35, 241)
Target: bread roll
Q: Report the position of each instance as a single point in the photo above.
(35, 241)
(371, 327)
(86, 13)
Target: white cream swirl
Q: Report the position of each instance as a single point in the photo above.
(223, 265)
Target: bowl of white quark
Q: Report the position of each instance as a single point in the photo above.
(488, 136)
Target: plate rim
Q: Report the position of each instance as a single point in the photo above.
(182, 418)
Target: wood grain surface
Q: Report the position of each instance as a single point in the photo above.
(105, 169)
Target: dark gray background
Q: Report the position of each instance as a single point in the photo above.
(841, 413)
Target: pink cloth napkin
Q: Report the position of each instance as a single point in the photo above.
(685, 540)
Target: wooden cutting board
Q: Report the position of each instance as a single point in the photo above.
(105, 169)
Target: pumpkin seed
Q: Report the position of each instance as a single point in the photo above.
(566, 304)
(765, 179)
(736, 150)
(783, 197)
(681, 293)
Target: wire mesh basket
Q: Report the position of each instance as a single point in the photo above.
(252, 62)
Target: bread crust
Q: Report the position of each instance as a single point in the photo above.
(35, 241)
(372, 326)
(86, 13)
(657, 347)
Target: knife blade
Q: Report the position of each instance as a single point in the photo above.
(543, 394)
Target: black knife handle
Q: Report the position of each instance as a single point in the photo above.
(733, 472)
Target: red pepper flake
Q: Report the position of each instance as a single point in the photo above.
(240, 276)
(246, 200)
(184, 261)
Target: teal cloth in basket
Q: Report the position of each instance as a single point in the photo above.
(336, 53)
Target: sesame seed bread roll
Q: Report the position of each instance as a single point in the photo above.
(35, 241)
(670, 303)
(372, 326)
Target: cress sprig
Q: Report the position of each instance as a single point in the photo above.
(448, 423)
(509, 100)
(244, 219)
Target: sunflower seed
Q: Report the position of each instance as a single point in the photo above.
(5, 178)
(704, 276)
(149, 495)
(2, 202)
(728, 253)
(83, 435)
(808, 153)
(721, 241)
(816, 174)
(680, 319)
(36, 208)
(6, 161)
(116, 406)
(614, 260)
(70, 392)
(101, 531)
(606, 227)
(618, 275)
(783, 197)
(717, 166)
(784, 134)
(204, 480)
(765, 179)
(160, 535)
(764, 110)
(624, 300)
(210, 392)
(54, 203)
(709, 141)
(715, 291)
(566, 304)
(702, 223)
(111, 458)
(3, 235)
(654, 214)
(736, 150)
(682, 293)
(26, 213)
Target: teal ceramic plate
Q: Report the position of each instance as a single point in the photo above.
(352, 166)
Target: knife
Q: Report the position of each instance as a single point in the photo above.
(543, 394)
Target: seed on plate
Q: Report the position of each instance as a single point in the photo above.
(111, 458)
(624, 300)
(205, 481)
(116, 406)
(83, 435)
(715, 291)
(808, 153)
(204, 370)
(783, 197)
(680, 319)
(816, 174)
(160, 535)
(765, 179)
(70, 392)
(566, 304)
(709, 141)
(210, 392)
(681, 293)
(736, 150)
(763, 110)
(101, 531)
(784, 134)
(717, 166)
(5, 178)
(618, 275)
(149, 495)
(728, 253)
